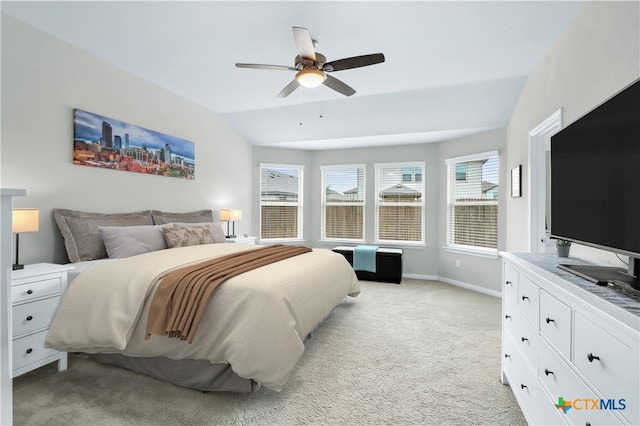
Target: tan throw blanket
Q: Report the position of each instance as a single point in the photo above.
(181, 298)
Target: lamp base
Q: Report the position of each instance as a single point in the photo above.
(16, 266)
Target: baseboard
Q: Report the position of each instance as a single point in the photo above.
(457, 283)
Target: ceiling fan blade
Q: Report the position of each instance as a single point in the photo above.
(304, 43)
(354, 62)
(338, 86)
(267, 67)
(289, 88)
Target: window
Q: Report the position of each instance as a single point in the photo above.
(400, 203)
(343, 202)
(472, 213)
(280, 202)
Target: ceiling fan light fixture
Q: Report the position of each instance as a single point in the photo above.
(311, 77)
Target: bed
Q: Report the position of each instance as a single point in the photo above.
(252, 331)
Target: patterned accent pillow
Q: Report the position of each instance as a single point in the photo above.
(183, 236)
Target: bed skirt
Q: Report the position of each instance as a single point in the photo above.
(191, 373)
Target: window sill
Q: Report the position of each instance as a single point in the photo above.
(281, 241)
(342, 242)
(487, 253)
(394, 244)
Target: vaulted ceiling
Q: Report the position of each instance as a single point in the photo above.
(452, 68)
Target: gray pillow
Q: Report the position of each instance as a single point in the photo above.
(82, 239)
(162, 218)
(216, 230)
(126, 241)
(187, 236)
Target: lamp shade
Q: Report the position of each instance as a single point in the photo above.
(229, 215)
(25, 220)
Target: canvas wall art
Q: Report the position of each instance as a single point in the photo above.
(107, 143)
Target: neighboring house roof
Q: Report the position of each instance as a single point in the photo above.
(335, 195)
(488, 186)
(279, 184)
(351, 191)
(400, 191)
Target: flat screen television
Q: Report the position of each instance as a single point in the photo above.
(595, 185)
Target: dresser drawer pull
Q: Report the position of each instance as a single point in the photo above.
(525, 298)
(29, 350)
(547, 372)
(507, 356)
(591, 357)
(548, 320)
(507, 316)
(29, 291)
(524, 339)
(29, 318)
(508, 283)
(523, 386)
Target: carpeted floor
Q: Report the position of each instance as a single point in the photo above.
(418, 353)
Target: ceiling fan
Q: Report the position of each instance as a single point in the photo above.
(312, 67)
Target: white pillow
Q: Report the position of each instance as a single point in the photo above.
(126, 241)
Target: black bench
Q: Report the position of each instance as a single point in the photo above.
(388, 264)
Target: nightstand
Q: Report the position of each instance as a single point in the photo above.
(246, 240)
(36, 291)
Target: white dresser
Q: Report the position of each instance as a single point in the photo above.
(570, 343)
(35, 295)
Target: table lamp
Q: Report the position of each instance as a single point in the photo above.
(23, 220)
(229, 215)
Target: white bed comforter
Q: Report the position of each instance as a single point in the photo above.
(256, 321)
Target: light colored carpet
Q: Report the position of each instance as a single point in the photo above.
(418, 353)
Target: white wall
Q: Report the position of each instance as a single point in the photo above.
(598, 55)
(43, 80)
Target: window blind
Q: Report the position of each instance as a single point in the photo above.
(400, 202)
(472, 211)
(343, 202)
(281, 202)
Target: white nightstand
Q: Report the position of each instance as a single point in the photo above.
(35, 295)
(246, 240)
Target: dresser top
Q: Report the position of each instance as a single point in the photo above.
(628, 300)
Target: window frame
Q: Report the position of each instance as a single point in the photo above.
(299, 203)
(400, 165)
(451, 173)
(325, 204)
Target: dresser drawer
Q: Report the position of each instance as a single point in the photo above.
(529, 299)
(610, 365)
(30, 349)
(33, 290)
(510, 283)
(34, 316)
(555, 322)
(562, 384)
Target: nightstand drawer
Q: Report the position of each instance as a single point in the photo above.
(30, 349)
(34, 316)
(36, 289)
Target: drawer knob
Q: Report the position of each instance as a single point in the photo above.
(523, 386)
(524, 339)
(29, 350)
(29, 291)
(591, 357)
(507, 316)
(525, 298)
(508, 283)
(29, 318)
(507, 356)
(547, 372)
(549, 320)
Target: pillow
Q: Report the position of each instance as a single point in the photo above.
(216, 230)
(187, 236)
(82, 239)
(163, 218)
(126, 241)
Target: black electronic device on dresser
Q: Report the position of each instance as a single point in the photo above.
(595, 185)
